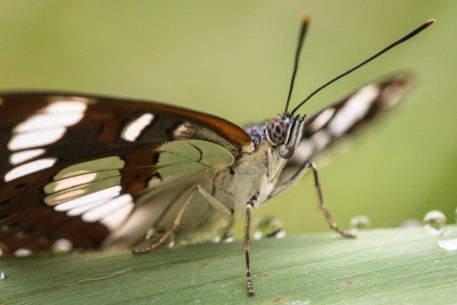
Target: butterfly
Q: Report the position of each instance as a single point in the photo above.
(104, 172)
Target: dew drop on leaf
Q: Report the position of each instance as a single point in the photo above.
(448, 240)
(22, 252)
(434, 222)
(360, 222)
(62, 246)
(268, 226)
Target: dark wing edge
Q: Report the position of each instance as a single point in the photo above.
(16, 105)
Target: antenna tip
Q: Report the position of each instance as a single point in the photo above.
(305, 18)
(431, 21)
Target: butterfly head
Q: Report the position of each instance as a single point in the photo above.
(278, 138)
(284, 134)
(276, 131)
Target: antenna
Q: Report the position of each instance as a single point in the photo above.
(403, 39)
(301, 38)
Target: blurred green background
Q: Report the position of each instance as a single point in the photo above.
(234, 59)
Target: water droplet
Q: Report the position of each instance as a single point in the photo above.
(298, 302)
(434, 222)
(2, 276)
(62, 246)
(448, 244)
(360, 222)
(268, 226)
(171, 244)
(228, 239)
(155, 232)
(22, 252)
(448, 240)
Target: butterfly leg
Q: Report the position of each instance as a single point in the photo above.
(168, 233)
(247, 229)
(221, 207)
(301, 171)
(198, 189)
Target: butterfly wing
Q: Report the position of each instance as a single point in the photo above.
(346, 117)
(76, 167)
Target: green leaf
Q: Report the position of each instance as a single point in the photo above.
(388, 266)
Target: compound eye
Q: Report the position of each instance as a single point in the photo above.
(276, 131)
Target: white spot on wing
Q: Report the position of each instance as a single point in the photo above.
(353, 110)
(320, 139)
(74, 181)
(62, 106)
(66, 195)
(322, 119)
(86, 207)
(304, 150)
(48, 125)
(22, 156)
(48, 121)
(94, 197)
(182, 130)
(117, 217)
(34, 139)
(29, 168)
(134, 128)
(107, 208)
